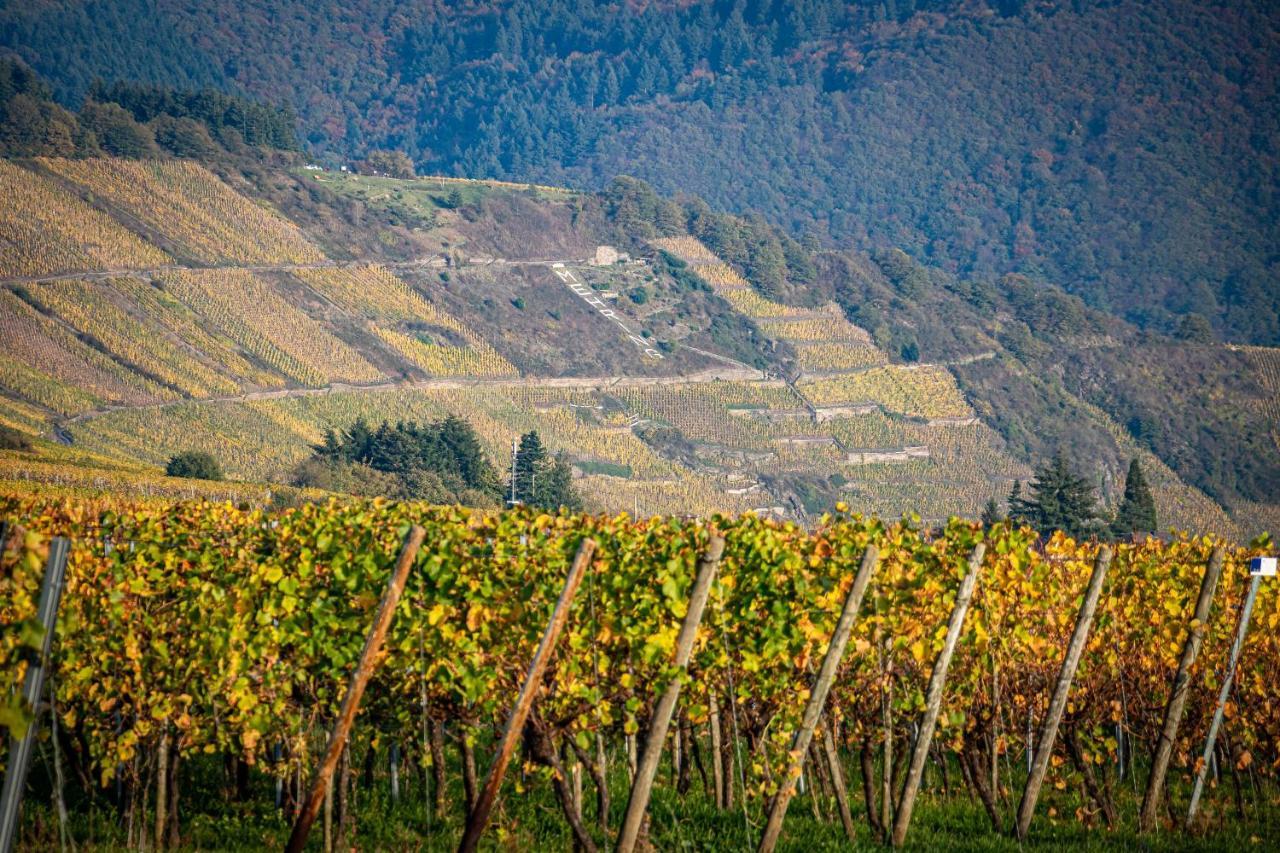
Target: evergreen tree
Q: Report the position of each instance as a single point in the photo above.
(991, 514)
(555, 486)
(1018, 510)
(442, 462)
(541, 481)
(468, 454)
(530, 460)
(1137, 511)
(117, 131)
(1059, 501)
(1196, 329)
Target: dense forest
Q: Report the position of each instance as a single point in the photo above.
(129, 120)
(1125, 151)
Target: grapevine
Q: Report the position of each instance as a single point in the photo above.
(191, 209)
(281, 600)
(46, 229)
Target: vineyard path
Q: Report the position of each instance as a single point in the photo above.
(715, 374)
(731, 370)
(428, 261)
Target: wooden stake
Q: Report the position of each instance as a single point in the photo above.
(355, 690)
(866, 758)
(436, 734)
(995, 735)
(1233, 659)
(933, 706)
(817, 700)
(328, 819)
(1178, 695)
(479, 816)
(58, 784)
(162, 782)
(394, 766)
(638, 802)
(886, 723)
(597, 768)
(717, 760)
(602, 784)
(837, 782)
(21, 749)
(1049, 728)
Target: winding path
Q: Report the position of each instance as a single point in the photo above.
(428, 262)
(714, 374)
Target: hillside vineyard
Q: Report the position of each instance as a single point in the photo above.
(218, 321)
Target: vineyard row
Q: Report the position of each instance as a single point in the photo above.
(282, 601)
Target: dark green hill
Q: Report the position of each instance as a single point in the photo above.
(1123, 150)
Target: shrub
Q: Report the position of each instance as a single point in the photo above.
(194, 465)
(11, 439)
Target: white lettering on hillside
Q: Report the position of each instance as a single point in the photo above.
(589, 296)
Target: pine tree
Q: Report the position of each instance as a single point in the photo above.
(442, 462)
(467, 454)
(330, 448)
(541, 481)
(555, 486)
(1018, 509)
(530, 460)
(1059, 501)
(1137, 510)
(991, 514)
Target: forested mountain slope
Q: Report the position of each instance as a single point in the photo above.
(1125, 151)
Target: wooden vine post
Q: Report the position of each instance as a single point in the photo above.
(817, 700)
(1058, 704)
(355, 690)
(933, 700)
(717, 759)
(647, 768)
(479, 815)
(1178, 695)
(1219, 709)
(837, 782)
(21, 749)
(162, 784)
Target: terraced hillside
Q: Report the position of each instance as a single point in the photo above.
(160, 309)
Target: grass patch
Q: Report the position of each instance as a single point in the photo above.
(528, 817)
(611, 469)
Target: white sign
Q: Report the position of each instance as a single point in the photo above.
(589, 296)
(1263, 567)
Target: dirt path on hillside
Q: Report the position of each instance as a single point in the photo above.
(729, 370)
(714, 374)
(427, 262)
